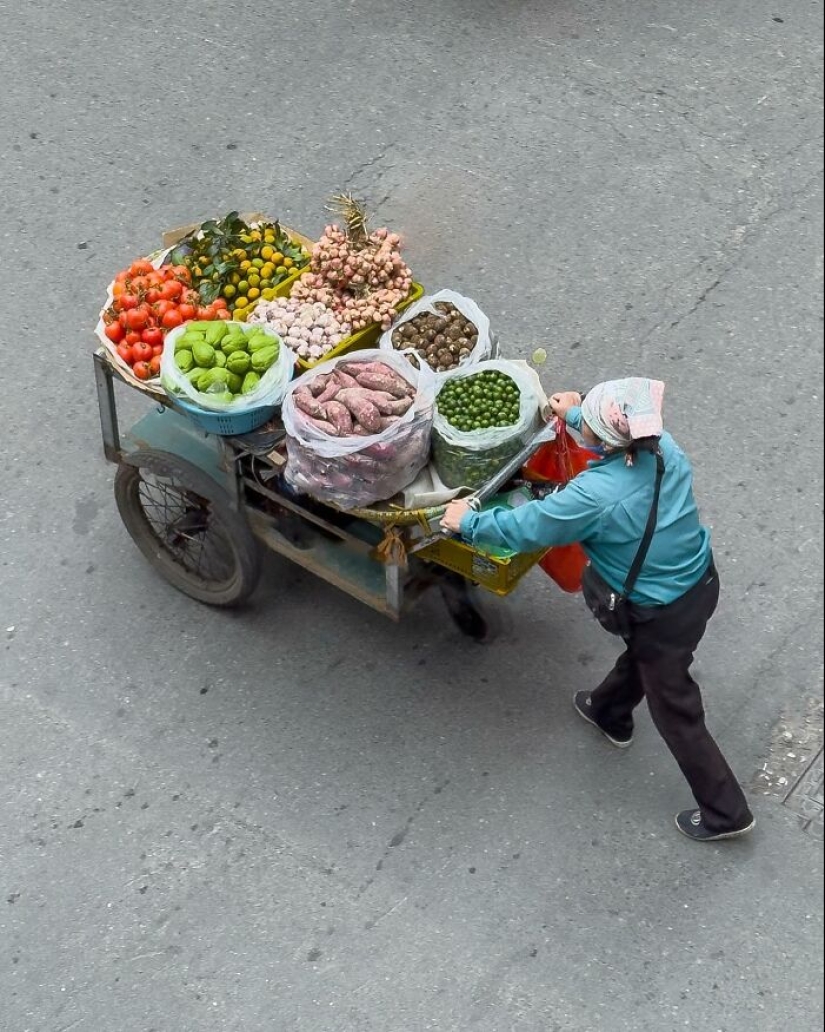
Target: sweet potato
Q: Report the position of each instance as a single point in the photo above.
(329, 392)
(354, 368)
(339, 415)
(324, 426)
(344, 379)
(307, 404)
(388, 405)
(318, 385)
(386, 381)
(361, 407)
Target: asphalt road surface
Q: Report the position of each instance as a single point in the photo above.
(300, 817)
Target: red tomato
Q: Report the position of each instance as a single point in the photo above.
(140, 284)
(224, 313)
(137, 318)
(141, 352)
(122, 276)
(152, 295)
(187, 312)
(220, 302)
(125, 353)
(182, 273)
(157, 350)
(154, 366)
(171, 289)
(140, 267)
(172, 319)
(115, 332)
(142, 370)
(152, 335)
(127, 301)
(122, 320)
(162, 307)
(132, 337)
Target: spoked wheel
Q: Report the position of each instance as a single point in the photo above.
(183, 523)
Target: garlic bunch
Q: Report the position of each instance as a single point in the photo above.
(310, 329)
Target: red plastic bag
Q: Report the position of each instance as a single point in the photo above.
(558, 462)
(565, 564)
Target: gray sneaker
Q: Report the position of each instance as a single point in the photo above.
(583, 706)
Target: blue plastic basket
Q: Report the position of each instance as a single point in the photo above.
(225, 424)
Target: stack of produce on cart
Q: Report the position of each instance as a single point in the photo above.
(356, 283)
(484, 416)
(227, 312)
(241, 262)
(358, 428)
(145, 303)
(445, 329)
(226, 366)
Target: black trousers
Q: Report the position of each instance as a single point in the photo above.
(656, 666)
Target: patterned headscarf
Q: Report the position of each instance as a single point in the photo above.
(619, 412)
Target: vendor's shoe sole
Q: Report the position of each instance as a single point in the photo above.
(579, 704)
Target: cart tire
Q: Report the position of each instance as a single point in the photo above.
(184, 524)
(462, 605)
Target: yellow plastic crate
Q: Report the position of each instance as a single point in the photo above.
(499, 575)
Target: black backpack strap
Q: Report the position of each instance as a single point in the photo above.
(647, 537)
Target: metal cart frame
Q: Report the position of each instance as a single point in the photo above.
(236, 479)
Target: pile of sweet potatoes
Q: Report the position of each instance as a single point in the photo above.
(360, 399)
(358, 431)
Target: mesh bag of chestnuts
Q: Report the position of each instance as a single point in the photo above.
(447, 330)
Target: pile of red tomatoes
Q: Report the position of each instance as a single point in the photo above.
(147, 303)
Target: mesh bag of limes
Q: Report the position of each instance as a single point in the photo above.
(484, 416)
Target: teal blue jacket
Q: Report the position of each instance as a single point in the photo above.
(605, 508)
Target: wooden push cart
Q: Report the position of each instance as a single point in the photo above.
(199, 507)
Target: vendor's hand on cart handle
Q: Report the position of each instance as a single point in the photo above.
(455, 513)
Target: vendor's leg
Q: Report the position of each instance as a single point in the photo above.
(613, 702)
(663, 649)
(675, 704)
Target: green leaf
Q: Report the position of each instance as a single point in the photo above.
(208, 291)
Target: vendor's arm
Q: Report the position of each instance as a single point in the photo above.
(573, 418)
(560, 519)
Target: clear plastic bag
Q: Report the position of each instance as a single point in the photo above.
(484, 347)
(352, 472)
(471, 458)
(270, 391)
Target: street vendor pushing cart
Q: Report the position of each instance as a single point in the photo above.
(634, 513)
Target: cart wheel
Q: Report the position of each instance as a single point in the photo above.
(463, 607)
(184, 524)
